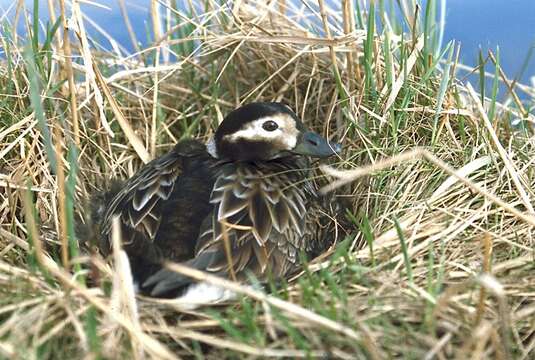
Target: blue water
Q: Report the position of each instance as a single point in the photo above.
(509, 24)
(108, 17)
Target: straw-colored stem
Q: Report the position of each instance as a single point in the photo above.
(509, 165)
(510, 86)
(487, 255)
(347, 7)
(128, 24)
(62, 211)
(327, 29)
(67, 53)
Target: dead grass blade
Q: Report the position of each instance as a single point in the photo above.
(286, 306)
(351, 175)
(134, 140)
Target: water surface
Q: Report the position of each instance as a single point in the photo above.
(475, 24)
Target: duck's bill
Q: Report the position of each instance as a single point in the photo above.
(312, 144)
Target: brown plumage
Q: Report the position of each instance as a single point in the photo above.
(182, 206)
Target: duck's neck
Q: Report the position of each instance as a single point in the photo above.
(297, 165)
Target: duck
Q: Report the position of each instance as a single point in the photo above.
(250, 185)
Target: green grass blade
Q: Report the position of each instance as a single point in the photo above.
(495, 83)
(442, 91)
(37, 106)
(481, 67)
(368, 51)
(406, 259)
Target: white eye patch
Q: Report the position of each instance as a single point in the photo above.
(285, 135)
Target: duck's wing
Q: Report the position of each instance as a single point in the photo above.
(263, 219)
(138, 204)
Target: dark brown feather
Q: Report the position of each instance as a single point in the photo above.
(137, 202)
(260, 217)
(265, 212)
(160, 209)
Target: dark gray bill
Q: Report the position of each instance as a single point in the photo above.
(312, 144)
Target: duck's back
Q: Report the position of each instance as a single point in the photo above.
(264, 216)
(187, 207)
(161, 208)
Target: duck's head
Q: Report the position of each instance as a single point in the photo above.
(266, 131)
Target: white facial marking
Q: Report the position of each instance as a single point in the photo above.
(211, 148)
(286, 133)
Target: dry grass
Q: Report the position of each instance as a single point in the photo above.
(442, 188)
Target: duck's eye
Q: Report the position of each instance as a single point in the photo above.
(270, 125)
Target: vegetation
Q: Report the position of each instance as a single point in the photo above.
(440, 176)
